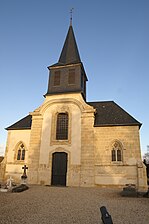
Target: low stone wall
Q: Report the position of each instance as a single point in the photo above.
(2, 171)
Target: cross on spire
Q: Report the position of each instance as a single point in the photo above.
(71, 11)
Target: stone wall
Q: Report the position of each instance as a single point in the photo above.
(47, 135)
(2, 171)
(122, 172)
(34, 148)
(87, 149)
(13, 166)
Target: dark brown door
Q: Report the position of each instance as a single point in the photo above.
(59, 168)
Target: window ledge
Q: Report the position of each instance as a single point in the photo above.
(60, 142)
(117, 163)
(19, 162)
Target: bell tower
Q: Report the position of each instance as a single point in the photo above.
(68, 74)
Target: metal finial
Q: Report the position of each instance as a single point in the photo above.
(71, 11)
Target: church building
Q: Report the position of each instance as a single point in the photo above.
(69, 141)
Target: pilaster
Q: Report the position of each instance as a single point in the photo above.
(142, 177)
(87, 149)
(34, 151)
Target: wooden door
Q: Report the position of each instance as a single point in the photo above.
(59, 169)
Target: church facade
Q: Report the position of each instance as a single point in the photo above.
(71, 142)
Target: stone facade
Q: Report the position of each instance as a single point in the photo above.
(125, 171)
(13, 166)
(88, 147)
(76, 144)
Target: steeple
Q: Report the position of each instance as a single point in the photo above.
(70, 53)
(68, 74)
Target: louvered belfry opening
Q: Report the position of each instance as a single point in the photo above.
(57, 78)
(71, 77)
(62, 126)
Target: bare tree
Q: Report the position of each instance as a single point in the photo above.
(146, 155)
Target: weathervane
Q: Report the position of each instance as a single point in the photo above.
(71, 11)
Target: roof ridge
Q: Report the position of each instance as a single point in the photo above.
(104, 101)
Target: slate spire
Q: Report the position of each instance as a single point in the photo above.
(70, 53)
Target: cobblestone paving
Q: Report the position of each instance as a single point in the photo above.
(67, 205)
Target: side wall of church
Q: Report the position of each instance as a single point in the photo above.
(13, 166)
(128, 171)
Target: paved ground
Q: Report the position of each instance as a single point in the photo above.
(66, 205)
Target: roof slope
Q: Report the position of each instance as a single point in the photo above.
(24, 123)
(1, 158)
(108, 113)
(70, 53)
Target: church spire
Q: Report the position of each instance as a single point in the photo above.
(70, 53)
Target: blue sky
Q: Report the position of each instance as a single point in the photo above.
(113, 41)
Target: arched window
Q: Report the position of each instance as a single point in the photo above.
(116, 152)
(21, 152)
(113, 155)
(119, 155)
(62, 126)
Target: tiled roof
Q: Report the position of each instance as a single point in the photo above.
(108, 113)
(24, 123)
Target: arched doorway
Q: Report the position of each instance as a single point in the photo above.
(59, 169)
